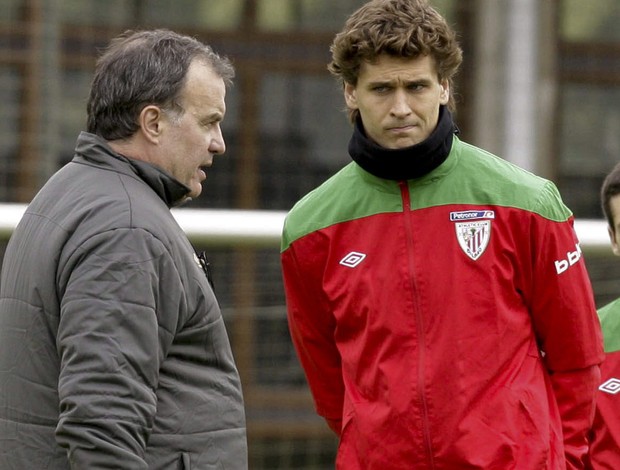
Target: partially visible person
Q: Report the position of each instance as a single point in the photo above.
(605, 440)
(113, 350)
(436, 294)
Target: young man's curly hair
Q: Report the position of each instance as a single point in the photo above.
(400, 28)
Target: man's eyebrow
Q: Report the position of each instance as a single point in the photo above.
(415, 81)
(214, 116)
(380, 82)
(419, 81)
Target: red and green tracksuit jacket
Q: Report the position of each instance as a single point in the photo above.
(444, 322)
(605, 445)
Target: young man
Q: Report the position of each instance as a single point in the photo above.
(436, 294)
(113, 350)
(605, 439)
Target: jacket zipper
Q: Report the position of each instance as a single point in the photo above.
(406, 198)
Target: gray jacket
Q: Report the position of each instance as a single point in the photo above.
(113, 350)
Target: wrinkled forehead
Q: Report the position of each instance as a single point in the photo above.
(422, 66)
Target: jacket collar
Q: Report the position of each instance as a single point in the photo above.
(406, 163)
(92, 149)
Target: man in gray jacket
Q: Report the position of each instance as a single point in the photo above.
(113, 351)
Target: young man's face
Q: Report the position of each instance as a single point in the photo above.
(614, 234)
(191, 140)
(398, 99)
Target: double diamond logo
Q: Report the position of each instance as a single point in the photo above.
(611, 386)
(352, 259)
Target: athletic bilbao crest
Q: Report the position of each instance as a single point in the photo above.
(473, 231)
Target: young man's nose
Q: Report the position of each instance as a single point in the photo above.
(400, 105)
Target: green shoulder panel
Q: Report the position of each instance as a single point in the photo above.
(469, 176)
(348, 195)
(482, 178)
(610, 323)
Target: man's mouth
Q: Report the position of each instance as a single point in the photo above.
(402, 128)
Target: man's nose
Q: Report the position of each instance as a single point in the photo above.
(217, 144)
(400, 106)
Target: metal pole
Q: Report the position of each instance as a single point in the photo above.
(521, 72)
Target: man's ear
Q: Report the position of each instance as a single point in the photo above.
(350, 96)
(614, 244)
(151, 122)
(444, 94)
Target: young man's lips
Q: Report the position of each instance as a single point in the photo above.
(401, 128)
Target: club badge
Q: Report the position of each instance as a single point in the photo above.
(473, 231)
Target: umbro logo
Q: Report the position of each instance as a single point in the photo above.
(352, 259)
(611, 386)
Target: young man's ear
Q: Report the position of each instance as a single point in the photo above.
(444, 94)
(350, 96)
(614, 242)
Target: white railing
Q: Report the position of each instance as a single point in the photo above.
(263, 228)
(208, 226)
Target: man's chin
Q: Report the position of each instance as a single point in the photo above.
(194, 192)
(404, 140)
(402, 143)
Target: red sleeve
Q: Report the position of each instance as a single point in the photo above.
(567, 329)
(562, 302)
(312, 327)
(335, 425)
(575, 393)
